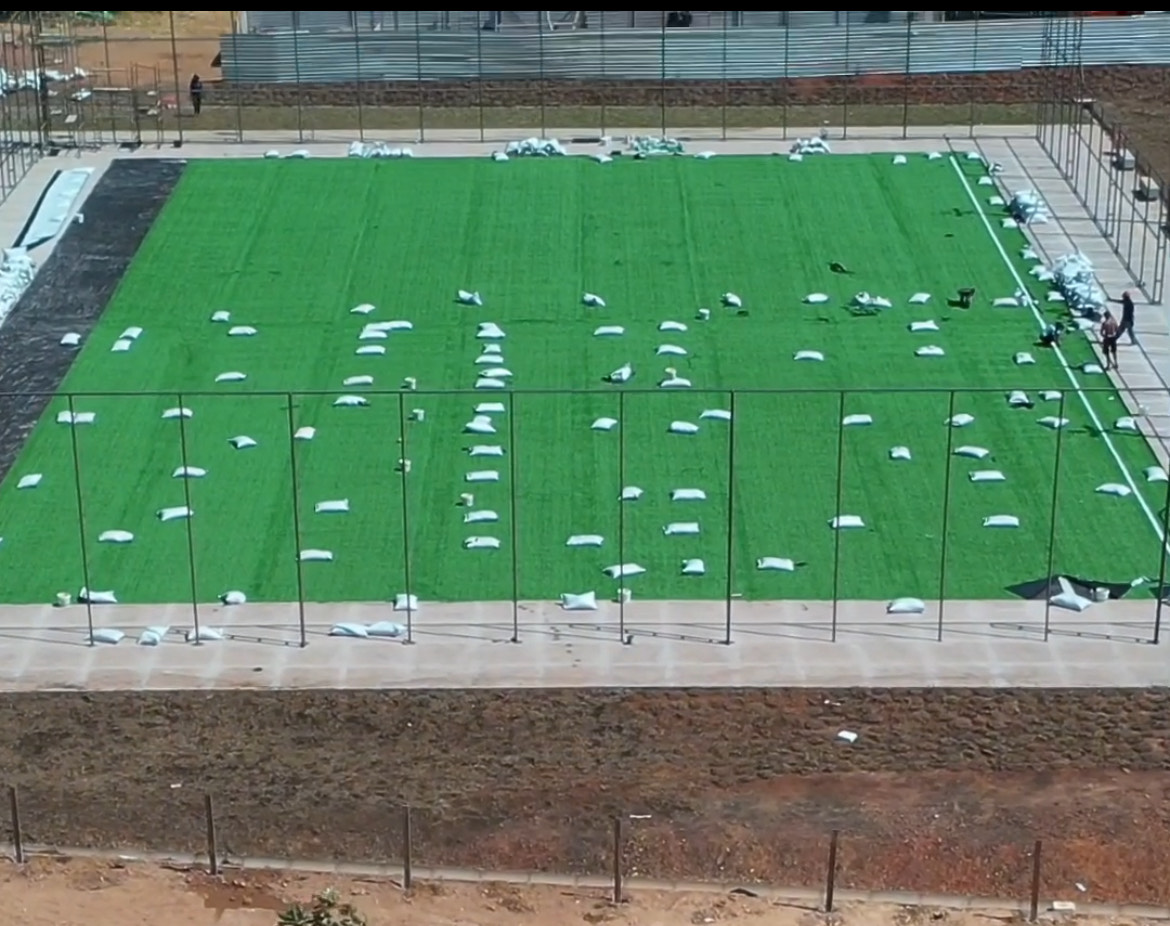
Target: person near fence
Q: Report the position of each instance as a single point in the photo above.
(1126, 303)
(195, 89)
(1110, 332)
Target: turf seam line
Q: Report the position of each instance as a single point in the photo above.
(1031, 304)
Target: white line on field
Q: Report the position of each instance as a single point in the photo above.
(1030, 302)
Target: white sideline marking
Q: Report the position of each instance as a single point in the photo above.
(1031, 303)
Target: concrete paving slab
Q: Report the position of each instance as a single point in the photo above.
(643, 644)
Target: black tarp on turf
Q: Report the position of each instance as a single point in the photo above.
(72, 289)
(1044, 588)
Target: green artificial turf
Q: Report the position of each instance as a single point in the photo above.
(291, 246)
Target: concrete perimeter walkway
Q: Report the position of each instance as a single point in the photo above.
(1001, 643)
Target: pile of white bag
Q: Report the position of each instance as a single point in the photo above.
(377, 149)
(12, 81)
(1074, 276)
(810, 146)
(535, 148)
(645, 146)
(16, 273)
(1028, 207)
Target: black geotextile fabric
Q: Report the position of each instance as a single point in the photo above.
(1046, 587)
(71, 290)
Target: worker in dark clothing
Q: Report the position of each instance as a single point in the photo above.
(195, 90)
(1126, 326)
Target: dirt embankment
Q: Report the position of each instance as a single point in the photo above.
(943, 790)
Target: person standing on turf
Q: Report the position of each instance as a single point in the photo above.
(1110, 332)
(195, 90)
(1126, 303)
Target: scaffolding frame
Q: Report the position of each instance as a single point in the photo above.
(1125, 197)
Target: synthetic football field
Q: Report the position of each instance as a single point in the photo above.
(290, 248)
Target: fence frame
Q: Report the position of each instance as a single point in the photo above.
(840, 398)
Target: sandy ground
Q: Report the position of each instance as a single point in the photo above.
(89, 893)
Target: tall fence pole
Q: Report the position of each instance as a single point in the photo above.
(190, 516)
(512, 514)
(723, 71)
(296, 516)
(1034, 906)
(906, 77)
(831, 874)
(175, 66)
(617, 859)
(662, 72)
(358, 83)
(297, 75)
(540, 54)
(17, 831)
(946, 520)
(422, 129)
(212, 849)
(235, 90)
(845, 84)
(621, 514)
(730, 517)
(604, 75)
(1052, 522)
(479, 84)
(784, 99)
(81, 526)
(1161, 590)
(837, 508)
(973, 77)
(402, 467)
(407, 849)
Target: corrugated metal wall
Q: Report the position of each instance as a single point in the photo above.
(679, 54)
(511, 20)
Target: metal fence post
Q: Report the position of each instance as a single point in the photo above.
(189, 518)
(175, 65)
(81, 527)
(512, 514)
(723, 71)
(422, 131)
(479, 76)
(784, 99)
(621, 513)
(297, 75)
(1160, 594)
(236, 90)
(358, 82)
(1052, 522)
(837, 508)
(845, 84)
(974, 77)
(730, 515)
(906, 77)
(604, 76)
(407, 849)
(662, 72)
(17, 831)
(942, 569)
(402, 467)
(540, 55)
(1034, 907)
(617, 859)
(831, 874)
(296, 516)
(212, 849)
